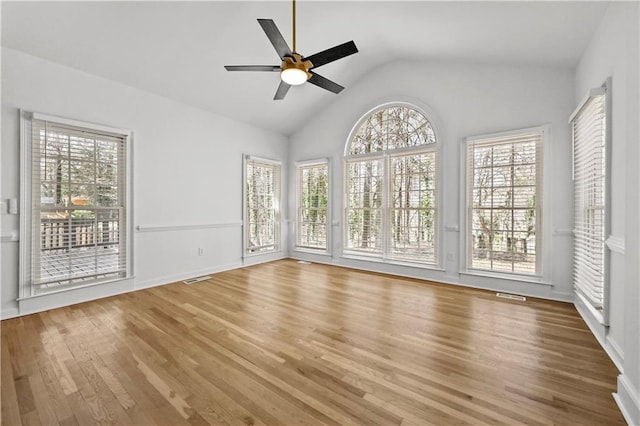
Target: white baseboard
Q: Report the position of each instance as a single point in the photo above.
(9, 313)
(45, 302)
(628, 401)
(155, 282)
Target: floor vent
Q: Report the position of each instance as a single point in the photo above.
(511, 296)
(196, 279)
(304, 262)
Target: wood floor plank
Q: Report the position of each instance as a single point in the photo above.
(288, 343)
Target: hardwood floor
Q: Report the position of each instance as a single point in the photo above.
(286, 343)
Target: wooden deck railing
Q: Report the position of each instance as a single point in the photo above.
(69, 233)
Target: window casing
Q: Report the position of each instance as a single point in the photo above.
(312, 224)
(504, 202)
(590, 179)
(391, 193)
(262, 205)
(75, 222)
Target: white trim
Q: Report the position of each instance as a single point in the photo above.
(263, 160)
(533, 279)
(9, 313)
(169, 228)
(598, 91)
(155, 282)
(24, 271)
(25, 289)
(616, 244)
(317, 161)
(628, 400)
(615, 352)
(76, 123)
(10, 238)
(391, 261)
(543, 216)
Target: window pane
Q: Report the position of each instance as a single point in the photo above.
(78, 227)
(503, 176)
(262, 186)
(413, 197)
(313, 201)
(391, 209)
(364, 205)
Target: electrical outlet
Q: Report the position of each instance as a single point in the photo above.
(200, 251)
(449, 256)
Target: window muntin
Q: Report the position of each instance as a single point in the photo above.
(590, 206)
(412, 212)
(392, 128)
(503, 198)
(262, 230)
(313, 206)
(77, 225)
(391, 187)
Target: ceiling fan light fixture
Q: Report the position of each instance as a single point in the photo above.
(294, 76)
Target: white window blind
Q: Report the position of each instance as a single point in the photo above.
(313, 205)
(262, 213)
(504, 175)
(78, 206)
(391, 187)
(589, 178)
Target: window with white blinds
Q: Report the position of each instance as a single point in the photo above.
(78, 212)
(391, 187)
(262, 208)
(312, 223)
(504, 175)
(589, 178)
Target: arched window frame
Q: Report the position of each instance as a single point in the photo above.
(384, 251)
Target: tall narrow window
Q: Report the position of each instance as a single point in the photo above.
(391, 187)
(78, 212)
(589, 179)
(262, 212)
(313, 205)
(504, 202)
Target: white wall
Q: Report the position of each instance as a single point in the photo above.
(613, 52)
(461, 100)
(187, 170)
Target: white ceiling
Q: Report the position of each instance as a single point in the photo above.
(178, 49)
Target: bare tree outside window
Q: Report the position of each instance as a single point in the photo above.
(391, 170)
(262, 213)
(504, 176)
(313, 206)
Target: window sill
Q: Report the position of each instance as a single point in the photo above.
(318, 252)
(404, 263)
(262, 253)
(530, 279)
(78, 287)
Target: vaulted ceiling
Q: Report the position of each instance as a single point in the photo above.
(178, 49)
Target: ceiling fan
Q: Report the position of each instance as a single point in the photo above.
(296, 69)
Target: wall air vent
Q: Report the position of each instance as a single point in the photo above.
(512, 296)
(196, 279)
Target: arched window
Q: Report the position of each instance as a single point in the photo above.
(391, 186)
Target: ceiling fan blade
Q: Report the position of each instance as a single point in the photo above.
(275, 37)
(283, 88)
(325, 83)
(333, 54)
(252, 67)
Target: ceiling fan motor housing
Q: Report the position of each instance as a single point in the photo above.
(296, 62)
